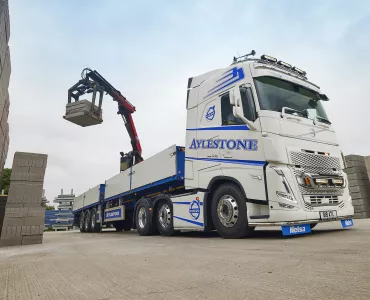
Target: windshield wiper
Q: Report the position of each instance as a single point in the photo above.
(323, 120)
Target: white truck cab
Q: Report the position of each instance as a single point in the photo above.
(261, 124)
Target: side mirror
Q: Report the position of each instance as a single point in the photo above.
(323, 97)
(238, 112)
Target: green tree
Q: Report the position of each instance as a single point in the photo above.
(49, 207)
(5, 182)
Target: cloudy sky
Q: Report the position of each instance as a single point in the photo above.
(148, 49)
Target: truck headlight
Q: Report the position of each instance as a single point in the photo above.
(321, 181)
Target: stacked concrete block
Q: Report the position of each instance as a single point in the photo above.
(24, 216)
(5, 70)
(3, 199)
(359, 185)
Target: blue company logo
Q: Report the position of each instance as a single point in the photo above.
(113, 214)
(194, 209)
(228, 78)
(211, 112)
(251, 145)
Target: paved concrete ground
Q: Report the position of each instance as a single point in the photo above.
(331, 263)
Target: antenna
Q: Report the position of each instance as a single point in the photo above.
(243, 57)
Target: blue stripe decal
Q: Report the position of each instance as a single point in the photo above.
(230, 77)
(188, 203)
(190, 221)
(231, 161)
(231, 127)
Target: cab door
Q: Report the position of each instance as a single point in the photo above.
(241, 153)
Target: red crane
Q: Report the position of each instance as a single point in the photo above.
(93, 82)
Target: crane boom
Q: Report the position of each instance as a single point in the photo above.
(93, 82)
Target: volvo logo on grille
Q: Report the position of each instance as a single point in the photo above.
(312, 132)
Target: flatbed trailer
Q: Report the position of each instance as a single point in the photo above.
(118, 196)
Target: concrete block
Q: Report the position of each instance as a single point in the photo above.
(361, 215)
(357, 202)
(25, 192)
(10, 241)
(358, 182)
(32, 239)
(9, 221)
(36, 212)
(359, 196)
(11, 231)
(34, 221)
(25, 159)
(32, 229)
(83, 113)
(353, 157)
(15, 212)
(364, 207)
(355, 163)
(34, 174)
(356, 169)
(362, 189)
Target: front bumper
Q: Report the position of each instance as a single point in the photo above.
(290, 223)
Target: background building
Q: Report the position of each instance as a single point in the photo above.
(63, 215)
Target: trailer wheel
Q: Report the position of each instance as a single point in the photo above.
(143, 219)
(164, 218)
(82, 222)
(95, 227)
(87, 221)
(229, 212)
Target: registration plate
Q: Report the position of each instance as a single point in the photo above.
(328, 215)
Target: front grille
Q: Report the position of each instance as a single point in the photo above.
(321, 200)
(305, 159)
(316, 164)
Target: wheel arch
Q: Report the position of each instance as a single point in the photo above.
(212, 186)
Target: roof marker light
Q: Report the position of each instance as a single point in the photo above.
(269, 58)
(284, 64)
(299, 71)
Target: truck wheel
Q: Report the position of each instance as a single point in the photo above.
(119, 226)
(87, 221)
(82, 222)
(229, 212)
(164, 218)
(95, 227)
(143, 219)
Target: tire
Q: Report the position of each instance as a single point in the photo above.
(95, 227)
(87, 221)
(82, 222)
(164, 219)
(119, 226)
(313, 225)
(143, 219)
(229, 212)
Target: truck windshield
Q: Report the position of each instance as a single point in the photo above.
(274, 94)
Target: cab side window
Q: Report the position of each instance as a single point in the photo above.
(228, 117)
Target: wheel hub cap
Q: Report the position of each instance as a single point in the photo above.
(165, 215)
(227, 211)
(142, 217)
